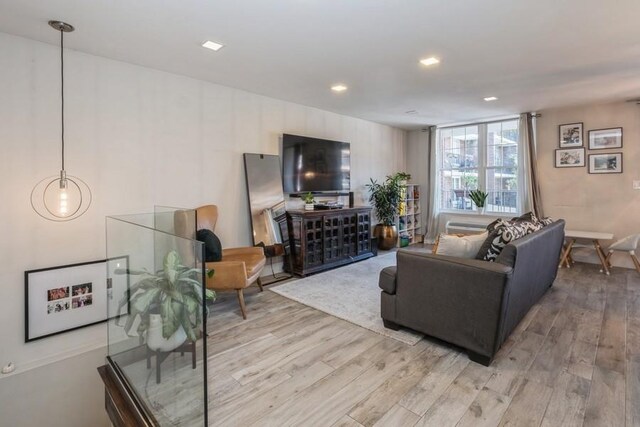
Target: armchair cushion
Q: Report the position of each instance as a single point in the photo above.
(253, 258)
(212, 245)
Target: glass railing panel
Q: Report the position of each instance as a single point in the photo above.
(157, 306)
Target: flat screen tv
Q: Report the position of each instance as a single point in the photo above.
(311, 164)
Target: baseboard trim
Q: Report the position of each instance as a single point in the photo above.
(57, 357)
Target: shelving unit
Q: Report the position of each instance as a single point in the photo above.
(408, 220)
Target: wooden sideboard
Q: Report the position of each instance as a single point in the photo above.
(322, 239)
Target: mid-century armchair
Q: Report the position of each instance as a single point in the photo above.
(239, 267)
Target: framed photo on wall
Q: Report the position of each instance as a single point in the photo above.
(68, 297)
(605, 163)
(603, 139)
(570, 158)
(571, 135)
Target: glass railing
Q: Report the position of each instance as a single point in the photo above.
(156, 306)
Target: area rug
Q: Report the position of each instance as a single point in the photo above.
(350, 293)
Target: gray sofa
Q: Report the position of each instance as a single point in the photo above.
(471, 303)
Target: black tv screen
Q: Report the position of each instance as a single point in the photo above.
(311, 164)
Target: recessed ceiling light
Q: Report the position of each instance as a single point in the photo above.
(212, 45)
(338, 88)
(432, 60)
(411, 112)
(490, 98)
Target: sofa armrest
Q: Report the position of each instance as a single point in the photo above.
(227, 275)
(458, 300)
(388, 280)
(248, 250)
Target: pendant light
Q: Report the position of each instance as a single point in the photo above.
(61, 197)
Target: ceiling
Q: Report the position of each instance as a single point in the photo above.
(530, 54)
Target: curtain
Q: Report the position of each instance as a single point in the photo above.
(434, 188)
(530, 199)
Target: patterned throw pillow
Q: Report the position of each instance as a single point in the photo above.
(504, 233)
(546, 221)
(529, 216)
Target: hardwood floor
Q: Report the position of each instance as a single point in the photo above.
(574, 360)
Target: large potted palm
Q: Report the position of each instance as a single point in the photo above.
(385, 198)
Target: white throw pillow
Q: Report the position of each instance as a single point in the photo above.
(461, 247)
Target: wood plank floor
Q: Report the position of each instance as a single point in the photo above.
(574, 360)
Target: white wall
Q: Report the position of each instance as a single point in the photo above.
(139, 137)
(606, 203)
(417, 164)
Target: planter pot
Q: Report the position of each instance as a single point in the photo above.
(308, 206)
(155, 340)
(387, 236)
(481, 211)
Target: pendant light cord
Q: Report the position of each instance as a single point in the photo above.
(62, 89)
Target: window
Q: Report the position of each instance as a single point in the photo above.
(480, 156)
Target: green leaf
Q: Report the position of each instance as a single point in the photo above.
(170, 313)
(142, 301)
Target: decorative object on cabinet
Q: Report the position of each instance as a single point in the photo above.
(61, 197)
(320, 240)
(570, 158)
(68, 297)
(571, 135)
(605, 163)
(604, 139)
(308, 200)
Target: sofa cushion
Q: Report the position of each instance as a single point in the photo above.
(461, 246)
(388, 280)
(212, 245)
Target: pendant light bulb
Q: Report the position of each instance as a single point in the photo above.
(62, 197)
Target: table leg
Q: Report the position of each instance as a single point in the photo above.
(567, 254)
(603, 260)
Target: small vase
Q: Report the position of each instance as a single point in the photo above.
(155, 340)
(481, 211)
(308, 206)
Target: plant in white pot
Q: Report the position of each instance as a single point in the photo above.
(308, 200)
(479, 198)
(168, 303)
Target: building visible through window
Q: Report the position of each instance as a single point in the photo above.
(481, 156)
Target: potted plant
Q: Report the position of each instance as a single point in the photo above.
(308, 200)
(403, 177)
(168, 303)
(479, 198)
(385, 198)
